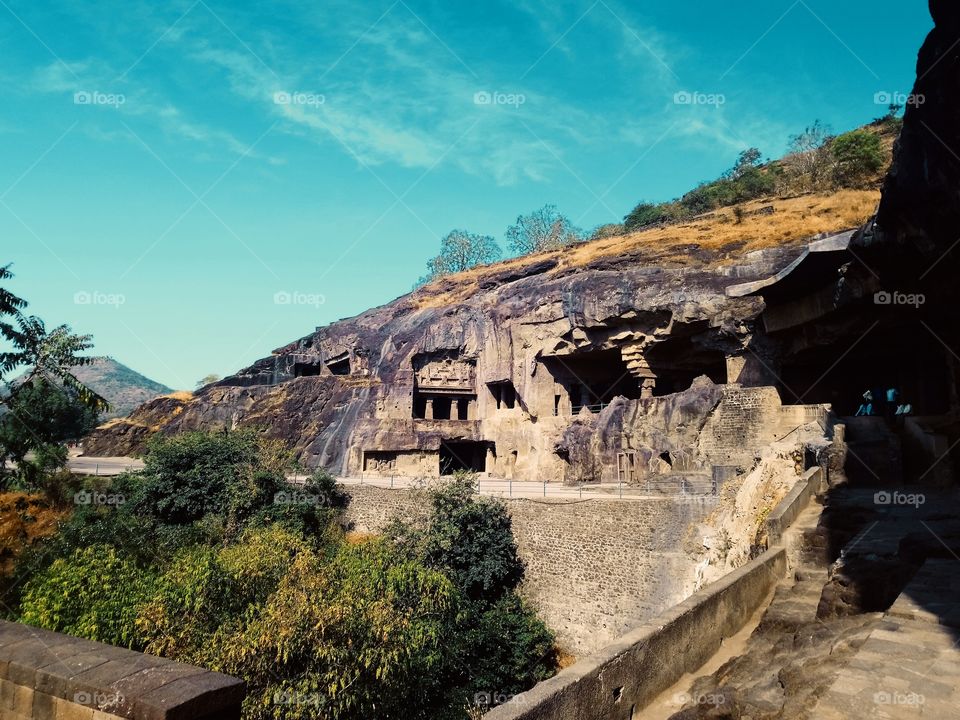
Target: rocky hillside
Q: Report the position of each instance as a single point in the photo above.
(348, 388)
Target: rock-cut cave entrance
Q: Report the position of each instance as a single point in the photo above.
(463, 456)
(906, 358)
(591, 379)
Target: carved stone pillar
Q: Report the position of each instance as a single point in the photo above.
(428, 412)
(647, 386)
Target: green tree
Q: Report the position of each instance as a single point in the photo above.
(646, 214)
(461, 250)
(40, 417)
(501, 645)
(543, 229)
(858, 156)
(748, 160)
(47, 403)
(207, 380)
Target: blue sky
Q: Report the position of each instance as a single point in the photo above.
(197, 183)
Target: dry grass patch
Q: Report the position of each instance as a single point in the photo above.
(24, 519)
(718, 235)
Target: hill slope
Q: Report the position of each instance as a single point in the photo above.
(124, 389)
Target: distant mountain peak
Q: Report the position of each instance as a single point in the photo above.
(124, 388)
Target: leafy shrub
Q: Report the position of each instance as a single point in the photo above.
(858, 155)
(94, 594)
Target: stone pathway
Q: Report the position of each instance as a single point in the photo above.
(909, 666)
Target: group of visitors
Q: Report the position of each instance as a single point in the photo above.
(890, 404)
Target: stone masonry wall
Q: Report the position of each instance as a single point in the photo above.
(595, 568)
(746, 419)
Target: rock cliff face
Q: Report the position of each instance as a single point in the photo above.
(548, 369)
(921, 196)
(537, 370)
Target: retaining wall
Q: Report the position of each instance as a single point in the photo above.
(595, 568)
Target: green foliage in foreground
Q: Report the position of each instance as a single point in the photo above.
(209, 557)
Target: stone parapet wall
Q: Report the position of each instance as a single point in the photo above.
(49, 676)
(624, 677)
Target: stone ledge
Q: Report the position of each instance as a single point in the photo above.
(99, 680)
(787, 510)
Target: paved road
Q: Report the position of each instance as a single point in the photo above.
(83, 465)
